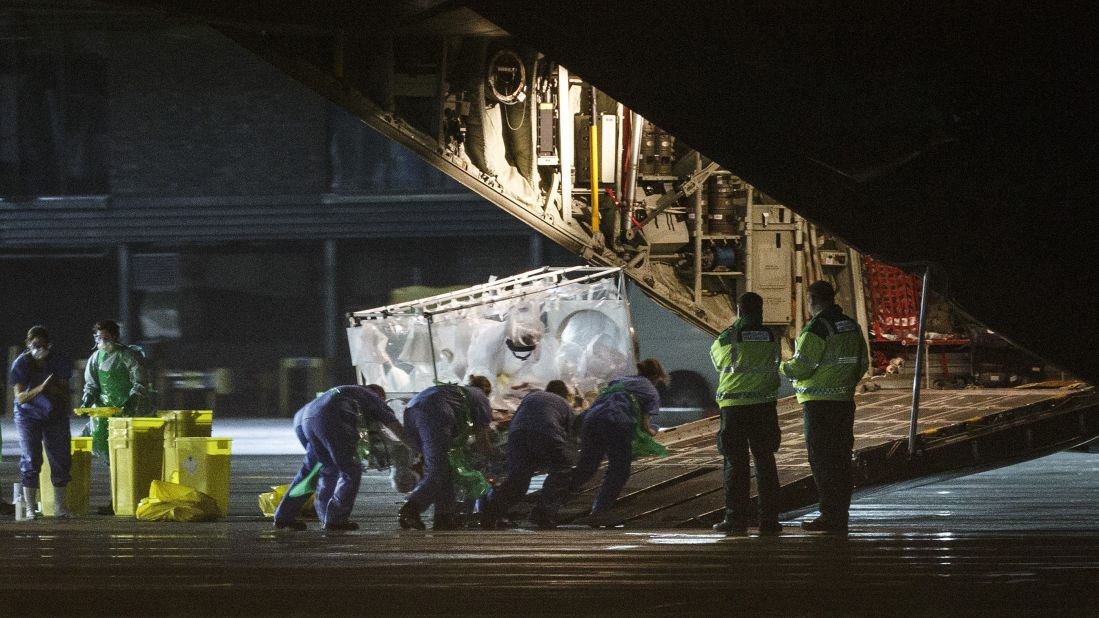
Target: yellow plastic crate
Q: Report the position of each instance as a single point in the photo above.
(137, 457)
(203, 463)
(186, 423)
(81, 471)
(182, 424)
(97, 412)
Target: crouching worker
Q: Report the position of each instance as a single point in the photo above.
(617, 425)
(329, 429)
(438, 419)
(537, 440)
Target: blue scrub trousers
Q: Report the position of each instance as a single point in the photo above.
(607, 434)
(328, 441)
(430, 424)
(54, 433)
(529, 452)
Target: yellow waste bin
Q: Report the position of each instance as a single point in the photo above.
(182, 424)
(203, 463)
(137, 457)
(81, 471)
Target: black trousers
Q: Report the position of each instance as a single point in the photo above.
(829, 436)
(751, 428)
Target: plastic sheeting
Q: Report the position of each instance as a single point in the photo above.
(519, 332)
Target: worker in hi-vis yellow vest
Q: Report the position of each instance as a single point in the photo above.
(829, 360)
(746, 357)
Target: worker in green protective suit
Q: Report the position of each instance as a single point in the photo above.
(830, 358)
(115, 377)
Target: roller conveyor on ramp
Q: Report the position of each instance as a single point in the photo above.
(961, 432)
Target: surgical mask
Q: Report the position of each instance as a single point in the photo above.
(40, 353)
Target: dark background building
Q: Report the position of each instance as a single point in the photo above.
(159, 175)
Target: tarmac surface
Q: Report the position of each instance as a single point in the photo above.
(1022, 540)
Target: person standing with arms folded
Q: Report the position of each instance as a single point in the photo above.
(746, 357)
(829, 359)
(40, 381)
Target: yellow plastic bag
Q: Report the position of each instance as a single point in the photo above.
(269, 501)
(175, 502)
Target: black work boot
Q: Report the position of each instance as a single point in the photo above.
(731, 528)
(542, 519)
(490, 518)
(821, 524)
(293, 524)
(446, 521)
(771, 528)
(343, 525)
(409, 517)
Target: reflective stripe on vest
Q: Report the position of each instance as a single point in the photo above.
(833, 376)
(824, 390)
(751, 336)
(737, 396)
(747, 359)
(842, 360)
(799, 360)
(743, 370)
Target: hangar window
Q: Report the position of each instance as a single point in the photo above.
(53, 114)
(361, 160)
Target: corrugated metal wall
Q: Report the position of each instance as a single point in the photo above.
(50, 224)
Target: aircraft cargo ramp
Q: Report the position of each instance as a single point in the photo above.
(961, 432)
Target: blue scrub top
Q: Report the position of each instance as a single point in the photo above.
(481, 409)
(30, 373)
(348, 399)
(616, 406)
(545, 413)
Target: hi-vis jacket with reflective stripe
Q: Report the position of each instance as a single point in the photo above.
(746, 357)
(829, 358)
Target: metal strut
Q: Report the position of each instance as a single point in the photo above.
(919, 365)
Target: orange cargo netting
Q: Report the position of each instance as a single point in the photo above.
(894, 302)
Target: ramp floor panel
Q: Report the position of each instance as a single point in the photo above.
(671, 491)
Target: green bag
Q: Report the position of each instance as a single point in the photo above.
(642, 444)
(468, 482)
(308, 484)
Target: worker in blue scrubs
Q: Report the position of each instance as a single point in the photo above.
(434, 420)
(537, 440)
(608, 429)
(330, 427)
(40, 381)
